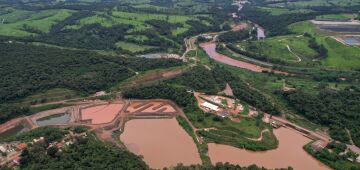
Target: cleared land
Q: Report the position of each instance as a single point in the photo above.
(102, 113)
(55, 94)
(133, 47)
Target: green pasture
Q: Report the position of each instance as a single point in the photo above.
(276, 48)
(303, 4)
(135, 19)
(340, 56)
(337, 16)
(15, 21)
(138, 38)
(55, 94)
(237, 133)
(132, 47)
(280, 11)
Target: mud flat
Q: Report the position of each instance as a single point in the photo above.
(162, 142)
(101, 113)
(56, 119)
(210, 49)
(289, 153)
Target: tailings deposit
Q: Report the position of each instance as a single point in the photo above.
(102, 113)
(289, 153)
(62, 118)
(13, 131)
(162, 142)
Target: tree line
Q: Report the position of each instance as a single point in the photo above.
(336, 109)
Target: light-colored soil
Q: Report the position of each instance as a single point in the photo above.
(228, 91)
(238, 27)
(102, 113)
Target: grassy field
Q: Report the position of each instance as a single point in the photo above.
(132, 47)
(280, 11)
(340, 56)
(302, 4)
(247, 127)
(135, 19)
(276, 48)
(15, 20)
(139, 38)
(55, 94)
(237, 133)
(337, 16)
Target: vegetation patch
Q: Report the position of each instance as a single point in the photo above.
(25, 23)
(134, 48)
(339, 56)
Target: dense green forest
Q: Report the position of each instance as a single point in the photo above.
(336, 109)
(334, 158)
(85, 154)
(26, 69)
(102, 25)
(234, 36)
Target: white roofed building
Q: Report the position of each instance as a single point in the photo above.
(210, 106)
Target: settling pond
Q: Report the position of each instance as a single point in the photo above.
(162, 142)
(289, 153)
(54, 119)
(13, 131)
(342, 28)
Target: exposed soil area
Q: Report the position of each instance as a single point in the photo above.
(102, 113)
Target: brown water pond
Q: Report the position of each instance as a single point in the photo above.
(289, 153)
(13, 131)
(162, 142)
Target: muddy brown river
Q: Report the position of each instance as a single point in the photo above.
(162, 142)
(289, 153)
(210, 49)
